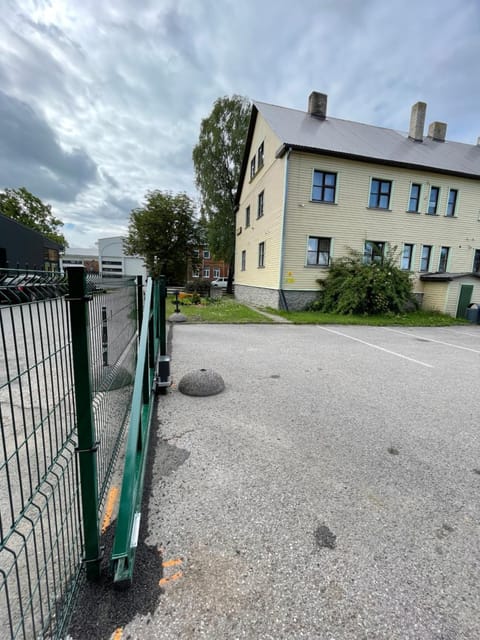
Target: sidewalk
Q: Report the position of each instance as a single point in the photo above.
(273, 317)
(323, 495)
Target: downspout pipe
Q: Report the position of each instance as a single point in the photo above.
(283, 301)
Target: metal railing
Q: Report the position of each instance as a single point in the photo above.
(62, 362)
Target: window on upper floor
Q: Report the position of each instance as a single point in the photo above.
(414, 200)
(373, 251)
(380, 194)
(196, 253)
(261, 254)
(407, 255)
(247, 217)
(206, 254)
(443, 262)
(318, 251)
(244, 260)
(433, 201)
(452, 203)
(261, 198)
(252, 167)
(476, 261)
(260, 156)
(425, 257)
(324, 186)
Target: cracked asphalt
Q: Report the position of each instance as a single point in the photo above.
(329, 492)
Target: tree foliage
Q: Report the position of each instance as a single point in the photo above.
(217, 158)
(353, 287)
(165, 232)
(24, 207)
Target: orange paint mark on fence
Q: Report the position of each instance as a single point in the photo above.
(111, 500)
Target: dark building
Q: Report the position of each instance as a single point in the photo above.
(23, 247)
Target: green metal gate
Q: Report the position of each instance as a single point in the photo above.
(67, 369)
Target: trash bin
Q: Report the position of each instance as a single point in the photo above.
(473, 313)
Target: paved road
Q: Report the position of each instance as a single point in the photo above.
(330, 492)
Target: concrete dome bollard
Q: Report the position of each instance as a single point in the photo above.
(202, 382)
(177, 316)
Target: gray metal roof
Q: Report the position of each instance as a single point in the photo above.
(300, 130)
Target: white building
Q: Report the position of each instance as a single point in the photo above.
(108, 259)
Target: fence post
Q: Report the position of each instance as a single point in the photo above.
(105, 336)
(162, 316)
(139, 304)
(87, 447)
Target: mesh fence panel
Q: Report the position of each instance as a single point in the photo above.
(41, 545)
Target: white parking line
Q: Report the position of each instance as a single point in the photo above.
(446, 344)
(462, 333)
(375, 346)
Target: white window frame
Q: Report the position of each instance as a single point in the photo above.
(433, 186)
(261, 155)
(412, 256)
(419, 207)
(206, 272)
(455, 208)
(448, 260)
(262, 196)
(261, 254)
(335, 173)
(317, 264)
(390, 199)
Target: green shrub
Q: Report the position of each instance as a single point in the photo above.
(199, 286)
(353, 287)
(196, 298)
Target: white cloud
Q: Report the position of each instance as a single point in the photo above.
(118, 89)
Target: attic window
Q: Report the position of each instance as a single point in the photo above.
(252, 168)
(260, 156)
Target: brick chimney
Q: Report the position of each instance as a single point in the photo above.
(437, 131)
(317, 104)
(417, 121)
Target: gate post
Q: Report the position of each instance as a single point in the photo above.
(87, 447)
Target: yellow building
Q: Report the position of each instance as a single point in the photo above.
(313, 187)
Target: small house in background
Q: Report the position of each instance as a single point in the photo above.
(313, 187)
(208, 268)
(25, 248)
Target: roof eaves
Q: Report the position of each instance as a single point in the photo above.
(246, 155)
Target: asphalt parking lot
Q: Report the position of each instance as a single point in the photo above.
(330, 492)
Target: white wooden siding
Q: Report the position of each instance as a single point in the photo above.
(268, 228)
(350, 222)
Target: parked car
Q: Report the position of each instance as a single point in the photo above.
(220, 282)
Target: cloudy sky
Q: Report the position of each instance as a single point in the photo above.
(101, 100)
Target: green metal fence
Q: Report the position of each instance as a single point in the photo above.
(63, 361)
(152, 376)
